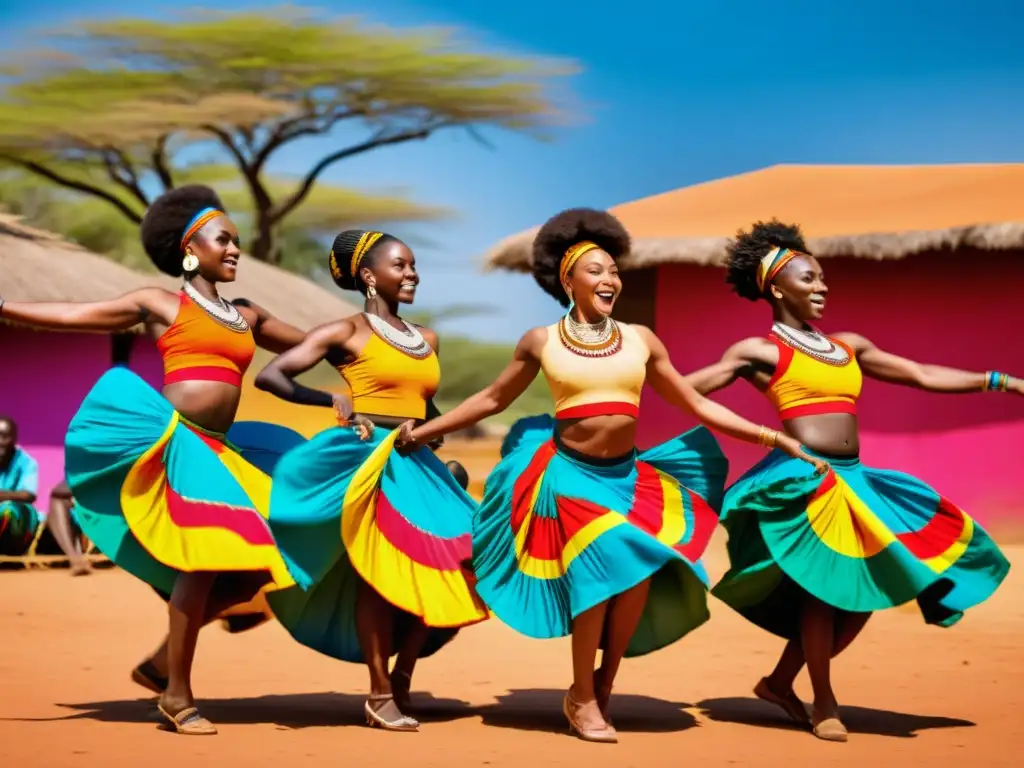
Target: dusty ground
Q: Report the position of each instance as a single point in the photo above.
(914, 695)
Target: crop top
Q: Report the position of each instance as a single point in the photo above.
(804, 385)
(595, 386)
(197, 348)
(386, 381)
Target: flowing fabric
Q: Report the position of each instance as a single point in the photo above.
(557, 534)
(857, 538)
(345, 510)
(160, 496)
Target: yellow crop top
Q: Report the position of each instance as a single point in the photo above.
(388, 382)
(595, 386)
(804, 385)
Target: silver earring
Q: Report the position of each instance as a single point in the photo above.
(371, 292)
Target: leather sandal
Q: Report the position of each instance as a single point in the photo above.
(146, 675)
(572, 709)
(375, 720)
(830, 729)
(189, 722)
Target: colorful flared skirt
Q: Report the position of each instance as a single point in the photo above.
(857, 538)
(160, 496)
(558, 533)
(18, 524)
(345, 511)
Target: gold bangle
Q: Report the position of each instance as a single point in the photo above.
(767, 437)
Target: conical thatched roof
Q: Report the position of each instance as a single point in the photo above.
(40, 266)
(877, 212)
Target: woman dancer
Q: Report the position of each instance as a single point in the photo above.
(577, 533)
(812, 557)
(393, 580)
(158, 487)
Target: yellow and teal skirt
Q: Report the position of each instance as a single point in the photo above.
(558, 532)
(345, 510)
(160, 496)
(857, 538)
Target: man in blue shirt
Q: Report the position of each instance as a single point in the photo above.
(19, 484)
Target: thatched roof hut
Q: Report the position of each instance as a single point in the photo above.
(41, 266)
(875, 212)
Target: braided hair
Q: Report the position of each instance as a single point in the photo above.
(344, 248)
(748, 248)
(165, 222)
(566, 229)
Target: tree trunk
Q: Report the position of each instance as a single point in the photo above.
(264, 244)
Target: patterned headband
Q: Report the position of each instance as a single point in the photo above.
(572, 255)
(366, 242)
(773, 263)
(199, 221)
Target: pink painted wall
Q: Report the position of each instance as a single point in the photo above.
(43, 379)
(950, 310)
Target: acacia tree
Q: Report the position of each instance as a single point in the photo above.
(114, 113)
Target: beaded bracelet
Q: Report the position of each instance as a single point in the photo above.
(996, 381)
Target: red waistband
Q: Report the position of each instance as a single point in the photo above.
(204, 373)
(818, 409)
(599, 409)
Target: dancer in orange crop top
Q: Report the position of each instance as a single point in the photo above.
(577, 532)
(404, 520)
(825, 552)
(156, 484)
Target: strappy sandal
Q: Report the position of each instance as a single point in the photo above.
(189, 722)
(790, 703)
(572, 708)
(831, 729)
(375, 720)
(146, 675)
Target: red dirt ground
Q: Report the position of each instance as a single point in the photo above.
(914, 695)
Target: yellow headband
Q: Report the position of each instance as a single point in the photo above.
(772, 264)
(366, 241)
(572, 255)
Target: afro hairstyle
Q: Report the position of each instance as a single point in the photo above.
(563, 231)
(747, 250)
(166, 220)
(340, 261)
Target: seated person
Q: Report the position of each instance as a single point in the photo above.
(19, 483)
(62, 526)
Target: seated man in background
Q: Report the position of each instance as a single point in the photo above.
(19, 483)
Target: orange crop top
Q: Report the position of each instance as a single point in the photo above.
(595, 386)
(198, 348)
(386, 381)
(804, 385)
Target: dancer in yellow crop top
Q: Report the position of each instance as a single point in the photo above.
(577, 532)
(825, 552)
(404, 520)
(157, 485)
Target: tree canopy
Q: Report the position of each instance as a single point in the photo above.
(123, 109)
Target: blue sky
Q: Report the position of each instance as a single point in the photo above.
(675, 94)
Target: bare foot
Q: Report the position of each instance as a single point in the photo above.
(787, 700)
(80, 567)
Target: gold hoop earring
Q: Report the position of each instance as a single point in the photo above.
(371, 292)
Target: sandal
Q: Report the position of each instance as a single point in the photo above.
(146, 675)
(572, 708)
(831, 729)
(789, 703)
(189, 722)
(375, 720)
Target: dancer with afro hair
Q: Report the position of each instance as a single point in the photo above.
(578, 533)
(813, 556)
(160, 480)
(393, 581)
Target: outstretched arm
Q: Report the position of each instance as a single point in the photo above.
(278, 377)
(740, 361)
(509, 385)
(269, 332)
(673, 387)
(885, 366)
(118, 314)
